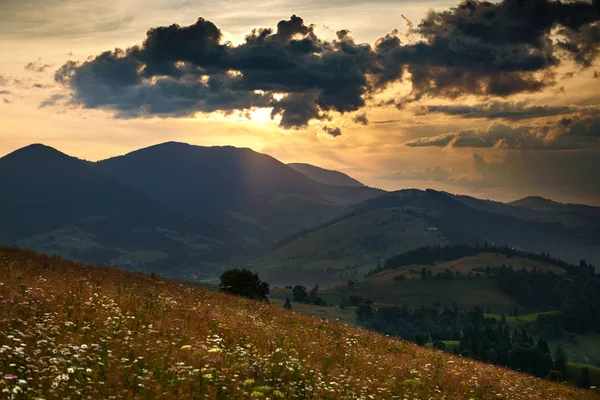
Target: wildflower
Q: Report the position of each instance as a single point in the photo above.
(215, 350)
(186, 347)
(207, 376)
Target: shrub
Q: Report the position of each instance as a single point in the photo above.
(243, 282)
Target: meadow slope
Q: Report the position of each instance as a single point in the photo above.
(69, 330)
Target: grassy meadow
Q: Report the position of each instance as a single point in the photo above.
(69, 330)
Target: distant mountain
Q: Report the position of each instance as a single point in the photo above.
(43, 189)
(57, 204)
(180, 210)
(326, 176)
(376, 229)
(538, 209)
(191, 211)
(241, 183)
(542, 204)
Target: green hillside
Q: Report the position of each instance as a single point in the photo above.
(370, 232)
(357, 243)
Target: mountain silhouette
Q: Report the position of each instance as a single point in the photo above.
(326, 176)
(43, 189)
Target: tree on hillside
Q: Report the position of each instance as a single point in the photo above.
(299, 294)
(287, 305)
(314, 293)
(243, 282)
(560, 360)
(554, 376)
(584, 380)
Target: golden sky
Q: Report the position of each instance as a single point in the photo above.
(540, 140)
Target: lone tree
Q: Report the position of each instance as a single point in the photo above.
(243, 282)
(299, 294)
(584, 380)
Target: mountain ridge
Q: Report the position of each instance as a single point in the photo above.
(326, 176)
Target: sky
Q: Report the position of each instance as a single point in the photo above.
(497, 100)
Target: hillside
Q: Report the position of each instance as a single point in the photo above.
(326, 176)
(57, 204)
(100, 332)
(240, 183)
(466, 293)
(542, 204)
(538, 209)
(179, 210)
(42, 189)
(372, 231)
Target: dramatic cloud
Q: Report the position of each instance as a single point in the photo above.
(499, 109)
(37, 66)
(477, 48)
(179, 71)
(333, 131)
(52, 100)
(361, 119)
(580, 131)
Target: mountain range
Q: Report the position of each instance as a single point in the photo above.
(190, 211)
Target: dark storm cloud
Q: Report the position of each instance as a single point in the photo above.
(361, 119)
(37, 66)
(333, 131)
(476, 48)
(498, 109)
(52, 100)
(579, 131)
(178, 71)
(496, 49)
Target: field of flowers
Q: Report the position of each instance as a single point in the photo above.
(74, 331)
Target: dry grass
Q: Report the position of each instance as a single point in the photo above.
(69, 330)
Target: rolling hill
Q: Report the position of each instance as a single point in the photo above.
(100, 332)
(44, 189)
(528, 291)
(538, 209)
(542, 204)
(179, 210)
(57, 204)
(326, 176)
(372, 231)
(383, 287)
(240, 183)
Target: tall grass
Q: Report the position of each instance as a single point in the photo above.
(69, 330)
